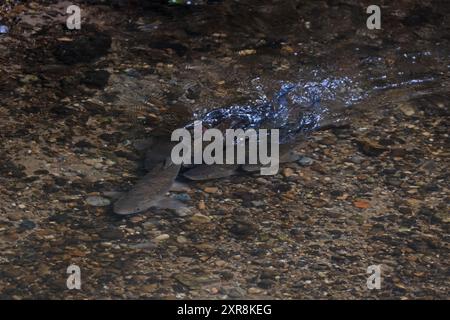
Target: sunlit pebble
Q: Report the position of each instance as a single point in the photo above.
(214, 290)
(4, 29)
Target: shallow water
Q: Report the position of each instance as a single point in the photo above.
(279, 64)
(372, 192)
(293, 65)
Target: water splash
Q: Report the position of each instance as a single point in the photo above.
(297, 108)
(404, 83)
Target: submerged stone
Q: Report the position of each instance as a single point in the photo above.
(97, 201)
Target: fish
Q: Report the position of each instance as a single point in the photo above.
(149, 191)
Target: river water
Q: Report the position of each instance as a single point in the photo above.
(374, 192)
(293, 65)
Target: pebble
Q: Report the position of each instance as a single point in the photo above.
(183, 212)
(111, 234)
(183, 197)
(98, 166)
(179, 187)
(4, 29)
(194, 282)
(362, 204)
(110, 162)
(370, 147)
(211, 189)
(398, 152)
(407, 110)
(257, 203)
(201, 205)
(287, 172)
(254, 290)
(148, 225)
(243, 229)
(266, 283)
(236, 293)
(262, 181)
(145, 245)
(27, 225)
(162, 237)
(247, 52)
(136, 219)
(15, 216)
(90, 162)
(132, 72)
(305, 161)
(268, 274)
(220, 263)
(98, 201)
(29, 78)
(214, 291)
(226, 275)
(404, 210)
(200, 218)
(182, 239)
(356, 159)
